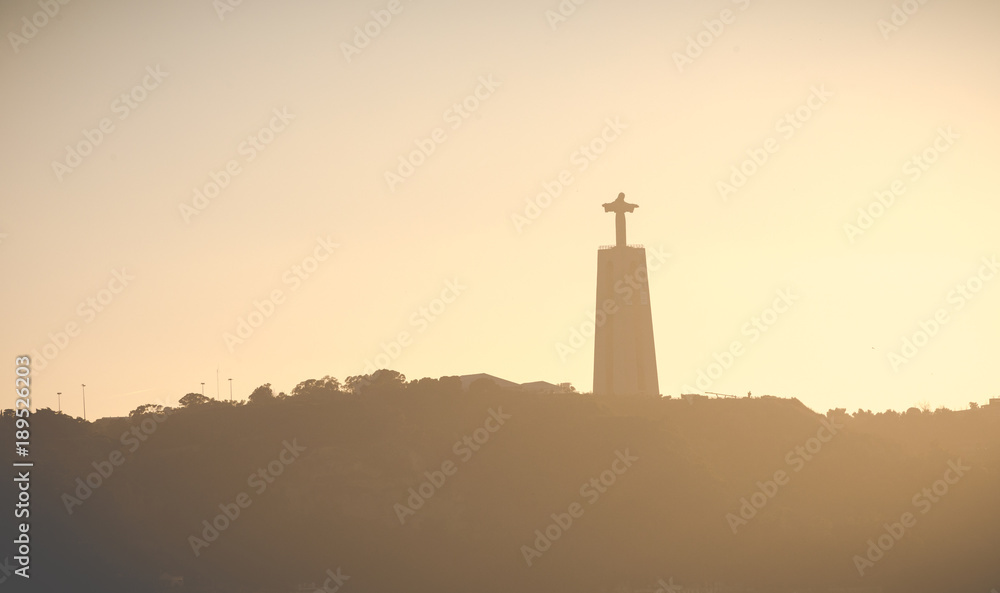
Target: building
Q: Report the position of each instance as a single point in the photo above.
(624, 352)
(531, 387)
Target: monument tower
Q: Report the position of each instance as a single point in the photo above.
(624, 355)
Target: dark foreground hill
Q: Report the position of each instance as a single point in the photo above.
(422, 487)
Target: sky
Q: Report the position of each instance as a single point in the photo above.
(273, 192)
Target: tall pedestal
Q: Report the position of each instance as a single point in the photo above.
(624, 354)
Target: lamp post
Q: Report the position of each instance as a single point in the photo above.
(59, 400)
(230, 390)
(203, 388)
(84, 386)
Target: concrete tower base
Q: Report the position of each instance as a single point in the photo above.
(624, 354)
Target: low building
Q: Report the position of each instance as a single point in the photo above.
(531, 387)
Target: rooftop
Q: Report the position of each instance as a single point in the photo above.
(603, 247)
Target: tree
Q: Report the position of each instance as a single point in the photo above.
(388, 377)
(146, 409)
(317, 387)
(838, 414)
(355, 383)
(192, 399)
(380, 382)
(262, 394)
(451, 386)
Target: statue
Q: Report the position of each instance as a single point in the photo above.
(620, 207)
(624, 350)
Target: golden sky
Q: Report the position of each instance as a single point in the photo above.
(431, 190)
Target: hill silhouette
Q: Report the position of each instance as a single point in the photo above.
(423, 486)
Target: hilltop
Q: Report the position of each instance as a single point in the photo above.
(425, 486)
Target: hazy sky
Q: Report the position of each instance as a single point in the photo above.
(158, 100)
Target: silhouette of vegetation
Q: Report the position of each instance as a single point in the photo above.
(193, 399)
(369, 440)
(262, 395)
(145, 409)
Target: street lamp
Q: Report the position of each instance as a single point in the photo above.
(59, 399)
(84, 401)
(203, 388)
(230, 390)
